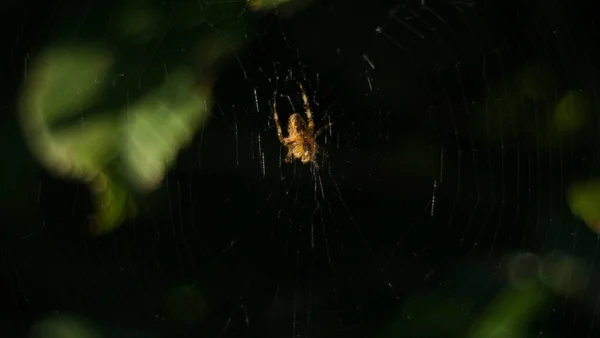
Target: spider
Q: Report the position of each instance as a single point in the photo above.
(301, 140)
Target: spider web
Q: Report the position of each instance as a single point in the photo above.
(441, 207)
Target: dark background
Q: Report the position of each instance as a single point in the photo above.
(335, 252)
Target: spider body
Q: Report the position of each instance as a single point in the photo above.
(301, 143)
(301, 140)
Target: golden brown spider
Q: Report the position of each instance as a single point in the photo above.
(301, 140)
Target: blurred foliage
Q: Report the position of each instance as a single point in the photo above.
(118, 149)
(584, 199)
(438, 315)
(509, 315)
(77, 124)
(525, 100)
(64, 326)
(571, 113)
(284, 7)
(112, 204)
(63, 83)
(265, 4)
(139, 141)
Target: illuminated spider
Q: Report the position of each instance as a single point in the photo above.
(301, 140)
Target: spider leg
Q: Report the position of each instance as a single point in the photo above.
(279, 132)
(288, 157)
(316, 164)
(322, 129)
(311, 123)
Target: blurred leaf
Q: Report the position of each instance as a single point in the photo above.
(139, 20)
(112, 202)
(571, 113)
(511, 312)
(285, 8)
(158, 125)
(119, 148)
(65, 81)
(584, 201)
(62, 83)
(141, 143)
(81, 151)
(265, 4)
(63, 326)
